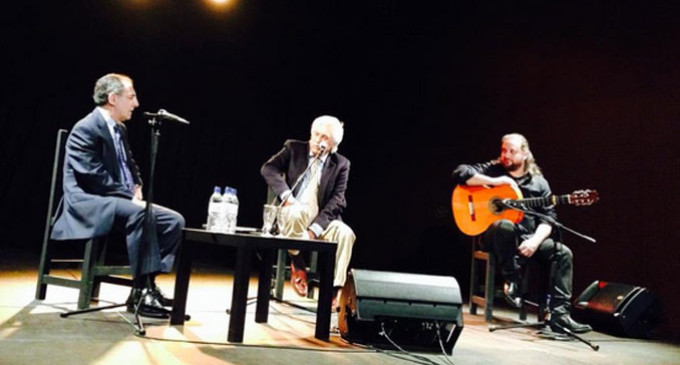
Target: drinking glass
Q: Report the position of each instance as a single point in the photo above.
(268, 217)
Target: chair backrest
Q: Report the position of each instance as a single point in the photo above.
(56, 188)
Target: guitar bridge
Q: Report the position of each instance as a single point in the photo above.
(471, 208)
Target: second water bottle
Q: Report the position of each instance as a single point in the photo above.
(230, 202)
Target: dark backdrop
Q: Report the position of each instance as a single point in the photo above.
(421, 88)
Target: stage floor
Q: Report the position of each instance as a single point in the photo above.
(32, 332)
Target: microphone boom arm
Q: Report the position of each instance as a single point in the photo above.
(508, 204)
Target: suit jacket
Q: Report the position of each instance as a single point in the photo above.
(292, 161)
(92, 180)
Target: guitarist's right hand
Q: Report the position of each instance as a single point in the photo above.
(505, 180)
(481, 179)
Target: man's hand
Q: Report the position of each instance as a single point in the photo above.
(138, 199)
(528, 247)
(290, 201)
(311, 234)
(138, 192)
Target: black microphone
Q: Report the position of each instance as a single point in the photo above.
(323, 146)
(165, 115)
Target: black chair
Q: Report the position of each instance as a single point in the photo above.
(95, 269)
(483, 293)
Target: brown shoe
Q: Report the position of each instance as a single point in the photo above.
(335, 302)
(298, 280)
(334, 305)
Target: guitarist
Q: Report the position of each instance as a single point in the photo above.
(532, 238)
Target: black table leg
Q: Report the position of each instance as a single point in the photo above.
(239, 299)
(264, 286)
(181, 283)
(323, 310)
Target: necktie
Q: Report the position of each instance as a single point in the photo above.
(311, 179)
(122, 161)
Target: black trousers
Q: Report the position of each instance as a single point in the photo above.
(502, 238)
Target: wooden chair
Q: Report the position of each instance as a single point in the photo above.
(94, 270)
(483, 290)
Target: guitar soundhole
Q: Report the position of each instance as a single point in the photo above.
(496, 206)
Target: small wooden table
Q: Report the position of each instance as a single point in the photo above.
(246, 244)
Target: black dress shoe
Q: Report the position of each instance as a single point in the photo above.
(511, 293)
(149, 306)
(564, 321)
(165, 301)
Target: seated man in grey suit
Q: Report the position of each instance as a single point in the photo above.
(103, 192)
(314, 208)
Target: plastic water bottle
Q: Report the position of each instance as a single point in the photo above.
(215, 211)
(230, 201)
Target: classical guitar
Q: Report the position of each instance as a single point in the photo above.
(476, 207)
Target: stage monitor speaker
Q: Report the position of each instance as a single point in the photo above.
(419, 312)
(620, 309)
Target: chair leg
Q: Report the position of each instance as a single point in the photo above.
(490, 288)
(87, 275)
(100, 256)
(312, 270)
(473, 284)
(280, 274)
(43, 270)
(486, 298)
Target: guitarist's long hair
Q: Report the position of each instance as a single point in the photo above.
(530, 163)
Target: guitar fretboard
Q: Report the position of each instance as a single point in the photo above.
(541, 202)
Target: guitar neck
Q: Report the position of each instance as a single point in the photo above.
(541, 202)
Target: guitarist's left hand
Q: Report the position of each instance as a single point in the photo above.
(528, 247)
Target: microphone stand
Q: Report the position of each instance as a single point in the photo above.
(560, 227)
(149, 221)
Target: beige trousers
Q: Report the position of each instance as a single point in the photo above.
(293, 222)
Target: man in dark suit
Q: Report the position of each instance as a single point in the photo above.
(313, 209)
(103, 192)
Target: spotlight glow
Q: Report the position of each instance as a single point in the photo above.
(220, 5)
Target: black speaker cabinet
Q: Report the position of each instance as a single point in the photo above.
(413, 311)
(620, 309)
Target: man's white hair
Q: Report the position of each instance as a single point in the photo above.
(337, 130)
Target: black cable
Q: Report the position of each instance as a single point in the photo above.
(413, 357)
(441, 344)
